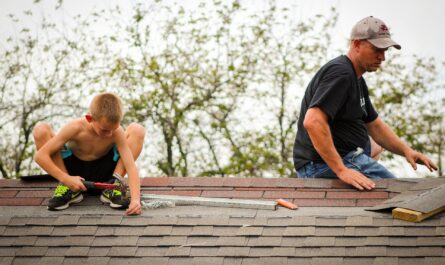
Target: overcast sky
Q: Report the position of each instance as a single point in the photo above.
(418, 25)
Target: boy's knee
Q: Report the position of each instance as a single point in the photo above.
(136, 130)
(42, 131)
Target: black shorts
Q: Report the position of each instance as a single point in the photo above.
(100, 170)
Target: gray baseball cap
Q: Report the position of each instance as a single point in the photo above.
(375, 31)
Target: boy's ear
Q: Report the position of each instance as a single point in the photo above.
(88, 117)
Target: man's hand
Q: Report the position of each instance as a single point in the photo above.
(134, 208)
(414, 158)
(75, 183)
(356, 179)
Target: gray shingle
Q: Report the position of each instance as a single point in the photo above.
(173, 241)
(264, 241)
(75, 260)
(67, 220)
(299, 261)
(122, 251)
(128, 231)
(180, 230)
(213, 220)
(403, 241)
(41, 231)
(368, 251)
(56, 251)
(110, 220)
(330, 221)
(155, 260)
(98, 260)
(115, 241)
(89, 220)
(79, 240)
(330, 261)
(440, 231)
(350, 241)
(98, 251)
(232, 261)
(279, 221)
(319, 241)
(359, 221)
(234, 251)
(149, 241)
(329, 231)
(25, 240)
(240, 221)
(420, 231)
(208, 261)
(386, 261)
(225, 230)
(188, 220)
(382, 221)
(431, 241)
(273, 231)
(361, 231)
(283, 252)
(77, 251)
(151, 251)
(50, 261)
(158, 230)
(249, 231)
(17, 231)
(203, 241)
(163, 220)
(25, 260)
(31, 251)
(19, 221)
(180, 261)
(292, 241)
(303, 220)
(126, 260)
(411, 261)
(377, 241)
(178, 251)
(232, 241)
(204, 251)
(50, 241)
(202, 231)
(135, 221)
(7, 241)
(259, 252)
(4, 220)
(435, 260)
(299, 231)
(361, 261)
(306, 252)
(391, 231)
(105, 231)
(272, 260)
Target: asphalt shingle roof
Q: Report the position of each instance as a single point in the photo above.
(330, 227)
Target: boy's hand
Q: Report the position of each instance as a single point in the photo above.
(75, 183)
(134, 208)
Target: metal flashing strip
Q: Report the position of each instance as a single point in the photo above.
(216, 202)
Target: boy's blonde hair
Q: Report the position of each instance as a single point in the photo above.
(108, 106)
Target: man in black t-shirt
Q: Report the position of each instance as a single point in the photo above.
(337, 115)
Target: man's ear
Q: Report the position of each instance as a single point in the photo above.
(88, 117)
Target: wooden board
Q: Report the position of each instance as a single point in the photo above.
(413, 216)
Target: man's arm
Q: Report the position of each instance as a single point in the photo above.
(385, 137)
(316, 124)
(132, 172)
(44, 158)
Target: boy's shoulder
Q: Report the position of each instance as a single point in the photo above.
(76, 125)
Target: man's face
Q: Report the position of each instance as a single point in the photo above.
(104, 128)
(371, 57)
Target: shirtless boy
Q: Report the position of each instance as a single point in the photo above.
(92, 148)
